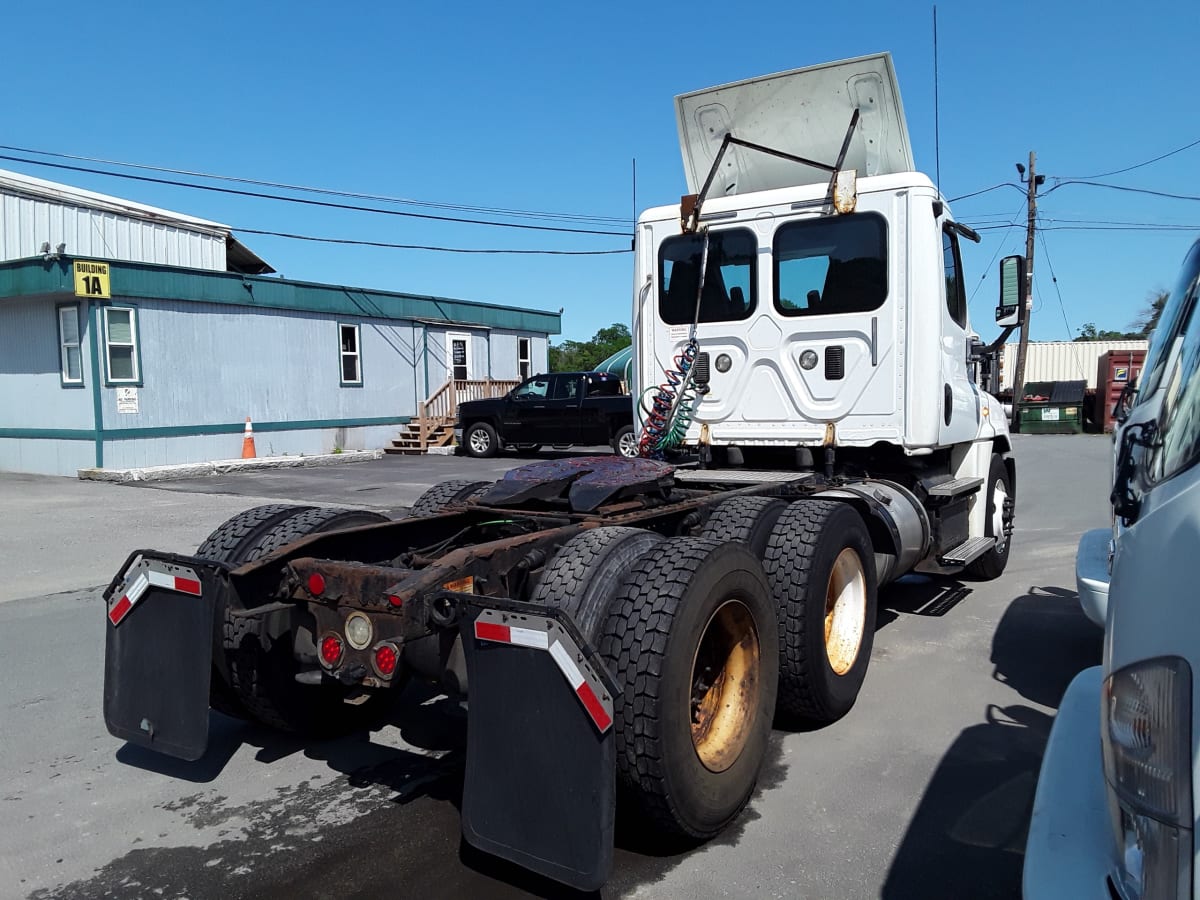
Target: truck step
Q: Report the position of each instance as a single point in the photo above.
(738, 476)
(955, 488)
(967, 552)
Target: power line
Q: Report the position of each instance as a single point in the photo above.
(994, 187)
(327, 204)
(1120, 222)
(329, 240)
(378, 198)
(1057, 289)
(1138, 165)
(1121, 187)
(999, 245)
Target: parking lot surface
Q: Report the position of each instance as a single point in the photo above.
(923, 790)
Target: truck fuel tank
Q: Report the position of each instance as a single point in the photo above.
(896, 512)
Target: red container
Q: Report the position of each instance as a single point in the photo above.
(1117, 368)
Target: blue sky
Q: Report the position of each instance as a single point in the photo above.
(542, 107)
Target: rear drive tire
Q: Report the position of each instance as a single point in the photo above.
(229, 543)
(587, 571)
(264, 680)
(625, 443)
(821, 568)
(748, 520)
(448, 493)
(998, 522)
(481, 440)
(692, 641)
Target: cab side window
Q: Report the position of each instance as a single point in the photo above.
(956, 297)
(534, 389)
(1180, 418)
(566, 388)
(1173, 320)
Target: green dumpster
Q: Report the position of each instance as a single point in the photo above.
(1052, 407)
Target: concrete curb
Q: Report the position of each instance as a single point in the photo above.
(225, 467)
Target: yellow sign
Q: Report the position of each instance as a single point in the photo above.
(91, 280)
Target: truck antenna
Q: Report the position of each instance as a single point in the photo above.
(937, 130)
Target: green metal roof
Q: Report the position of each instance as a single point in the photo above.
(31, 277)
(620, 363)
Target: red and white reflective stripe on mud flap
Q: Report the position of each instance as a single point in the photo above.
(563, 651)
(152, 573)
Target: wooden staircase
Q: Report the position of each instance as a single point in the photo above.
(436, 417)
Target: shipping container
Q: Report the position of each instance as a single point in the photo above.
(1116, 370)
(1061, 360)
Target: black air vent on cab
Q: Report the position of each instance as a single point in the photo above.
(835, 363)
(700, 371)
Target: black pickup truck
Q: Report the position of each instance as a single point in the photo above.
(584, 408)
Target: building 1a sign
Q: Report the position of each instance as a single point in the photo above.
(91, 280)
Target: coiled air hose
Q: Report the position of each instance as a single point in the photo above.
(666, 421)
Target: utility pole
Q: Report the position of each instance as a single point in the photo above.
(1027, 289)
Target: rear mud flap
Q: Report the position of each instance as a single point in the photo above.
(158, 655)
(540, 781)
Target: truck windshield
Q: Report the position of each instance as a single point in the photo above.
(729, 283)
(831, 265)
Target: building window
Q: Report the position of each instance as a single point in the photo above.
(524, 357)
(351, 366)
(121, 345)
(70, 359)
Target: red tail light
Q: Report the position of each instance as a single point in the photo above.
(386, 658)
(394, 600)
(331, 649)
(316, 584)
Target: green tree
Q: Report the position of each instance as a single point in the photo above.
(580, 356)
(1148, 318)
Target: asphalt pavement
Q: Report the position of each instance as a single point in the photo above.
(923, 790)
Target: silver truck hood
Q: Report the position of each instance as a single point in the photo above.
(804, 112)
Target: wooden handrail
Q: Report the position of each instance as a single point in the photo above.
(442, 404)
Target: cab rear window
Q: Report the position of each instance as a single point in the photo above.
(730, 277)
(831, 265)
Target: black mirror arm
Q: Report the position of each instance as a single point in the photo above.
(979, 351)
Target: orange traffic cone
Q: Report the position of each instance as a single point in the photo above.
(248, 451)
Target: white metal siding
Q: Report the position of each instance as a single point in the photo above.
(1061, 360)
(27, 223)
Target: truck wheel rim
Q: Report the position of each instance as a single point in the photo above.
(628, 445)
(999, 511)
(845, 611)
(725, 686)
(479, 440)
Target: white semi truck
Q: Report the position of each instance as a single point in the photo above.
(634, 627)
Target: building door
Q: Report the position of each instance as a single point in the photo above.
(458, 363)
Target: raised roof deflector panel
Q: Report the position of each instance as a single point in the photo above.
(804, 112)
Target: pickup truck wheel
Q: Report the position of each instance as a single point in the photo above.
(481, 440)
(692, 641)
(447, 493)
(625, 443)
(748, 520)
(821, 567)
(1001, 505)
(586, 572)
(264, 678)
(229, 543)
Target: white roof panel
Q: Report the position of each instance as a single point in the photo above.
(804, 112)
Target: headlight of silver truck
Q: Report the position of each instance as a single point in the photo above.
(1147, 744)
